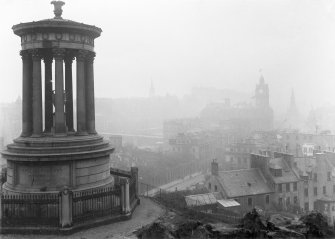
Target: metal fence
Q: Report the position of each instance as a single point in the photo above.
(30, 210)
(96, 203)
(68, 208)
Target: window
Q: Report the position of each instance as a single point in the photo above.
(315, 177)
(328, 176)
(333, 188)
(209, 185)
(306, 192)
(295, 187)
(295, 200)
(249, 201)
(280, 188)
(215, 188)
(315, 191)
(287, 187)
(267, 199)
(324, 190)
(288, 201)
(280, 201)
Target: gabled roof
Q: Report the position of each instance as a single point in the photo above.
(288, 175)
(243, 182)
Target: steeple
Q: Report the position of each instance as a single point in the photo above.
(293, 118)
(152, 90)
(293, 109)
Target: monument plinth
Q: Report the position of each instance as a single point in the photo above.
(51, 152)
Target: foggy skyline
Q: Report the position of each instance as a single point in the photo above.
(194, 43)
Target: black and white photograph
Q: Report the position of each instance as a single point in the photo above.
(167, 119)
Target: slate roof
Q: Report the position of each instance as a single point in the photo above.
(288, 175)
(243, 182)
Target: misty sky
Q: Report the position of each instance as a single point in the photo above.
(179, 44)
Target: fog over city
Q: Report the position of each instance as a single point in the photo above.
(181, 44)
(181, 118)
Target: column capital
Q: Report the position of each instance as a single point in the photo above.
(81, 55)
(48, 58)
(90, 57)
(69, 57)
(36, 54)
(58, 53)
(24, 54)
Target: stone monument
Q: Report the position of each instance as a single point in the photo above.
(54, 152)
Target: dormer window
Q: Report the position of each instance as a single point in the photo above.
(277, 172)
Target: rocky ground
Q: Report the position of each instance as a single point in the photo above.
(146, 213)
(254, 224)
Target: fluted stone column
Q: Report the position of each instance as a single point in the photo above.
(27, 120)
(37, 94)
(69, 92)
(48, 107)
(60, 127)
(81, 100)
(90, 109)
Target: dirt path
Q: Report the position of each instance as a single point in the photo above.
(146, 213)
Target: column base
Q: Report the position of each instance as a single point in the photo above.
(60, 134)
(24, 135)
(81, 133)
(35, 135)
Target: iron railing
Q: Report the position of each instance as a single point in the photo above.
(96, 203)
(30, 210)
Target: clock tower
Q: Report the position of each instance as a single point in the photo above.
(262, 94)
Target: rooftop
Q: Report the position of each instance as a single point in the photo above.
(287, 173)
(243, 182)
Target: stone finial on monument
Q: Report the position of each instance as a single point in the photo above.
(58, 9)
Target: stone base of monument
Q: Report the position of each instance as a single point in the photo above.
(49, 164)
(62, 184)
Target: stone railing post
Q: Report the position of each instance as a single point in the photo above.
(127, 197)
(124, 183)
(122, 196)
(134, 173)
(66, 208)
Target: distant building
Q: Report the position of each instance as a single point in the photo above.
(172, 128)
(242, 117)
(318, 190)
(283, 180)
(199, 146)
(248, 187)
(297, 143)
